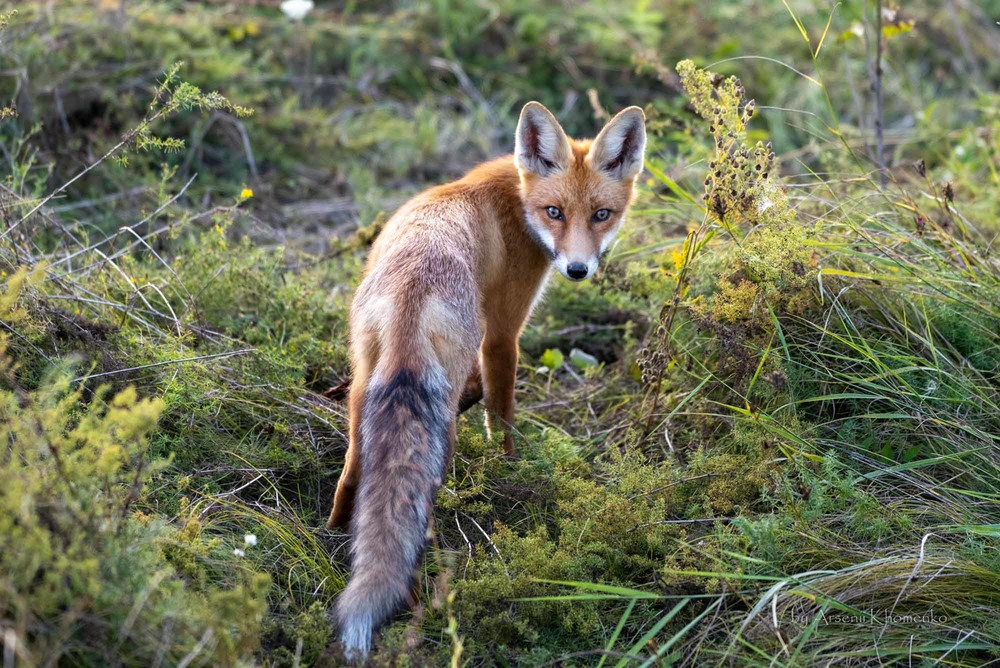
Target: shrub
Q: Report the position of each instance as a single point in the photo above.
(85, 576)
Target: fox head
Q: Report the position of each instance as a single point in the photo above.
(576, 192)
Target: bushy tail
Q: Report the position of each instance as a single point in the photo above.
(404, 441)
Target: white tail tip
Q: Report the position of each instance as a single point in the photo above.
(355, 637)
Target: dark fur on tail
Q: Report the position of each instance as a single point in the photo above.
(405, 430)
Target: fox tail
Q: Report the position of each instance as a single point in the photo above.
(405, 428)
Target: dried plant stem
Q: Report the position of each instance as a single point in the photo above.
(150, 366)
(877, 85)
(673, 307)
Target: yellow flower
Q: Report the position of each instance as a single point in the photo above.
(246, 193)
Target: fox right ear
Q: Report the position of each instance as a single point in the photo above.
(540, 144)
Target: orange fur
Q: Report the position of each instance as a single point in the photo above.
(447, 289)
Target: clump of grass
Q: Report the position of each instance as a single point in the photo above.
(831, 501)
(867, 374)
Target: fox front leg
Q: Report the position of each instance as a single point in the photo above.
(499, 366)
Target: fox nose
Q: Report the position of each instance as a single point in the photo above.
(577, 271)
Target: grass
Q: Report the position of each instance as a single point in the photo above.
(765, 434)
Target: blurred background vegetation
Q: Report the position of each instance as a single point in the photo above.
(765, 434)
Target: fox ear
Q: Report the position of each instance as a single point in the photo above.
(540, 144)
(619, 149)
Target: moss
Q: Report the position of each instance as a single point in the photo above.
(726, 484)
(735, 302)
(972, 333)
(300, 640)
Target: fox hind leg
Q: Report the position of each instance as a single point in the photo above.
(350, 477)
(473, 391)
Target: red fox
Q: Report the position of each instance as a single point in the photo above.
(435, 323)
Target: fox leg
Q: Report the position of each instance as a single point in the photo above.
(343, 499)
(473, 391)
(499, 365)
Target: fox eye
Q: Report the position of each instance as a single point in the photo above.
(601, 215)
(553, 212)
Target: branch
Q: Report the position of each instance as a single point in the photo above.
(877, 85)
(150, 366)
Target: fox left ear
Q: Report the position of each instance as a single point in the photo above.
(620, 147)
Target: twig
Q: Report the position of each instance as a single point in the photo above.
(129, 247)
(600, 113)
(245, 138)
(205, 639)
(963, 41)
(465, 83)
(45, 200)
(877, 84)
(168, 362)
(672, 307)
(490, 541)
(131, 228)
(90, 203)
(468, 544)
(25, 339)
(233, 492)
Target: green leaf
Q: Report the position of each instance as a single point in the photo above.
(822, 38)
(581, 359)
(671, 185)
(657, 627)
(621, 592)
(992, 530)
(552, 358)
